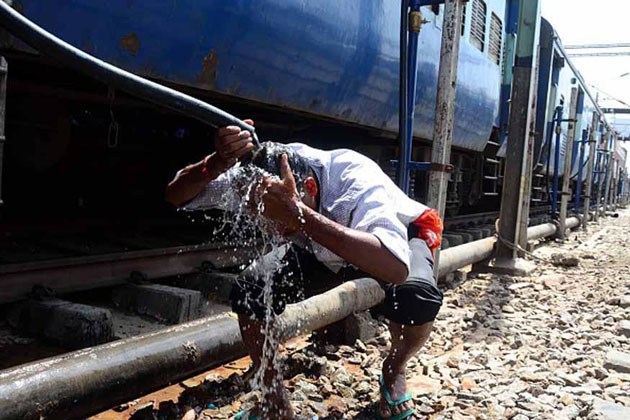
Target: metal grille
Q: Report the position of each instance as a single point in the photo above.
(496, 38)
(478, 24)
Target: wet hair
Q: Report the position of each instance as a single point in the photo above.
(268, 159)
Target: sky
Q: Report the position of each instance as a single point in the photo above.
(580, 22)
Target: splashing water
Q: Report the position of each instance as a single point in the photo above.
(247, 227)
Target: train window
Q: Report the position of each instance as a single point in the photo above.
(496, 38)
(478, 24)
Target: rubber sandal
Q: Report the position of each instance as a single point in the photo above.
(393, 404)
(245, 415)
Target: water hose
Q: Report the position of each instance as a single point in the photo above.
(50, 45)
(549, 142)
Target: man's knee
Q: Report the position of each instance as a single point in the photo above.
(414, 302)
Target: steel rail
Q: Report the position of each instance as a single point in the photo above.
(75, 274)
(84, 273)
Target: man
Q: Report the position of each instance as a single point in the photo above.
(357, 221)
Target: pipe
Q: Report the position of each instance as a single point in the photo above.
(568, 159)
(610, 171)
(414, 23)
(4, 69)
(556, 164)
(597, 182)
(578, 188)
(462, 255)
(115, 77)
(82, 382)
(85, 381)
(549, 146)
(592, 144)
(403, 111)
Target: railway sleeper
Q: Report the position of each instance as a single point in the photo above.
(168, 304)
(453, 240)
(466, 237)
(476, 233)
(213, 284)
(71, 325)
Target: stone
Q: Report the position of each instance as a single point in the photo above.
(607, 410)
(344, 391)
(67, 324)
(566, 399)
(364, 388)
(422, 385)
(563, 260)
(341, 375)
(468, 383)
(190, 383)
(618, 361)
(127, 405)
(319, 408)
(298, 395)
(190, 415)
(508, 309)
(570, 412)
(299, 362)
(553, 281)
(624, 301)
(169, 304)
(521, 285)
(574, 379)
(337, 406)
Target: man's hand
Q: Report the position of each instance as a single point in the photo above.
(281, 201)
(231, 143)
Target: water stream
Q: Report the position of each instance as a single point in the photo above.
(246, 226)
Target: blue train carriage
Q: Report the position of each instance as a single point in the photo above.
(557, 77)
(334, 62)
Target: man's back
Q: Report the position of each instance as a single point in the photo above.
(356, 193)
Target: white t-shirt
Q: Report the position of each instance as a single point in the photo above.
(354, 192)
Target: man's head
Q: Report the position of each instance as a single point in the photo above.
(268, 159)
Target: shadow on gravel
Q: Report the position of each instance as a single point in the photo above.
(484, 302)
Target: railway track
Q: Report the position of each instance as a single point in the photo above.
(178, 274)
(97, 267)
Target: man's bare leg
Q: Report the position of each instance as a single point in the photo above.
(277, 401)
(406, 342)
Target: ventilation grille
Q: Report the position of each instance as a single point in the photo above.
(478, 24)
(496, 38)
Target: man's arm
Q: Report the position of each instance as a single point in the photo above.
(363, 250)
(231, 143)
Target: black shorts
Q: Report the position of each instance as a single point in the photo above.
(299, 275)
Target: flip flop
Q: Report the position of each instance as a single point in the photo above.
(393, 404)
(245, 415)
